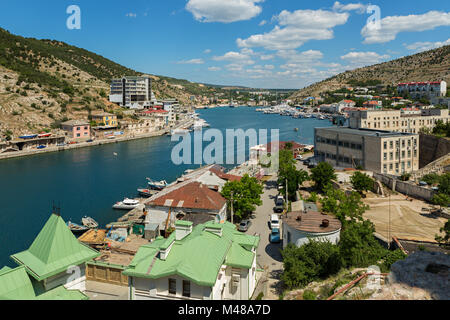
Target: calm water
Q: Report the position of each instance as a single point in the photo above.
(89, 181)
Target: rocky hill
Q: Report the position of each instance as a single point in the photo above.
(44, 82)
(430, 65)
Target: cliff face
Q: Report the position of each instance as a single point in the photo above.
(433, 65)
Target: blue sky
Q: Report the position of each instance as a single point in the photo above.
(256, 43)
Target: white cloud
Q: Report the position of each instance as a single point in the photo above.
(306, 57)
(262, 23)
(214, 68)
(269, 67)
(207, 51)
(393, 25)
(192, 61)
(358, 7)
(424, 46)
(296, 28)
(225, 11)
(131, 15)
(267, 57)
(242, 58)
(359, 59)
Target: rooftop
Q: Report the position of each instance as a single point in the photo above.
(53, 251)
(367, 132)
(198, 257)
(75, 123)
(312, 222)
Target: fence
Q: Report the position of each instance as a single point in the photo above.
(106, 273)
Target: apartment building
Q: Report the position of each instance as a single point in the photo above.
(379, 151)
(77, 129)
(423, 89)
(132, 92)
(397, 120)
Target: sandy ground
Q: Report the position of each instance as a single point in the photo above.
(408, 220)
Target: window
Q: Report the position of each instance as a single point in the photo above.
(385, 145)
(289, 237)
(186, 288)
(172, 286)
(385, 156)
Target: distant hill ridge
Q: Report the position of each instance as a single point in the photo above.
(432, 65)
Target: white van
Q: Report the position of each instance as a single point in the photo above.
(274, 221)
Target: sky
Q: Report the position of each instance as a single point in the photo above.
(255, 43)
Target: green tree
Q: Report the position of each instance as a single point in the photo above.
(431, 178)
(361, 182)
(322, 175)
(444, 184)
(441, 200)
(246, 195)
(347, 207)
(445, 239)
(312, 261)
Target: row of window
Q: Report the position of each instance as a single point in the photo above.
(341, 159)
(397, 144)
(186, 287)
(397, 154)
(344, 144)
(397, 166)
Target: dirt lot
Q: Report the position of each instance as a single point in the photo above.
(408, 220)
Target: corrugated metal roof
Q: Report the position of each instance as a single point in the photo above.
(54, 250)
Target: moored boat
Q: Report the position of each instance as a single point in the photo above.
(126, 204)
(29, 136)
(76, 228)
(44, 135)
(89, 222)
(147, 192)
(157, 185)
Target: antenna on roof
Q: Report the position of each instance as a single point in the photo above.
(56, 209)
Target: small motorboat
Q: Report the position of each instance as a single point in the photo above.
(157, 185)
(147, 192)
(126, 204)
(44, 135)
(30, 136)
(89, 223)
(41, 147)
(296, 129)
(76, 228)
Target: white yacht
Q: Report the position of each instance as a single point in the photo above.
(126, 204)
(179, 131)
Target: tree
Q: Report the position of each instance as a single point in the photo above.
(441, 200)
(444, 184)
(312, 261)
(246, 195)
(361, 182)
(322, 175)
(444, 240)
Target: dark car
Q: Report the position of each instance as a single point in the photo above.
(275, 236)
(244, 225)
(279, 204)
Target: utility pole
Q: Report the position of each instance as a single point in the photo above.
(232, 213)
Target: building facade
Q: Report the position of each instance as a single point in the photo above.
(105, 120)
(379, 151)
(211, 261)
(132, 92)
(423, 89)
(397, 120)
(77, 129)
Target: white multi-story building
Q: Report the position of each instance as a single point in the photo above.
(132, 92)
(423, 89)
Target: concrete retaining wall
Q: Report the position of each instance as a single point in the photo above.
(432, 148)
(406, 188)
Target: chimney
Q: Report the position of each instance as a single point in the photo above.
(182, 229)
(325, 223)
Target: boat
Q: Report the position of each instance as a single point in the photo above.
(41, 147)
(179, 131)
(89, 222)
(30, 136)
(76, 228)
(296, 129)
(147, 192)
(126, 204)
(157, 185)
(44, 135)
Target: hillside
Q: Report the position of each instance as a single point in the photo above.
(44, 82)
(430, 65)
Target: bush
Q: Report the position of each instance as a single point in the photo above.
(391, 258)
(312, 261)
(309, 295)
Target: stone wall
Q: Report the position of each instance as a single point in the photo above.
(406, 188)
(432, 148)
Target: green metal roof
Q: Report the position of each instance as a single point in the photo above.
(54, 250)
(16, 285)
(61, 293)
(183, 223)
(198, 257)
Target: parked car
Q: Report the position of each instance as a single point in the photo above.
(275, 236)
(299, 157)
(274, 222)
(244, 225)
(279, 204)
